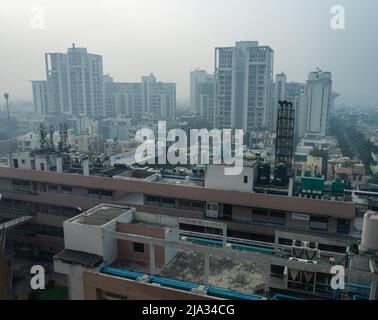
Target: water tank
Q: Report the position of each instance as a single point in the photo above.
(280, 175)
(369, 240)
(338, 187)
(263, 173)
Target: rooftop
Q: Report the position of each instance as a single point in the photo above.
(78, 257)
(227, 273)
(100, 215)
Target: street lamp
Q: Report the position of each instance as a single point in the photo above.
(6, 96)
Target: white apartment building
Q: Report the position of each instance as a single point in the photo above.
(243, 86)
(40, 98)
(159, 98)
(75, 83)
(300, 123)
(149, 97)
(319, 99)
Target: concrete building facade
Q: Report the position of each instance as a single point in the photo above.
(40, 97)
(74, 83)
(318, 92)
(243, 86)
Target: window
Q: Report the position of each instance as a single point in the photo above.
(138, 247)
(44, 208)
(103, 295)
(343, 225)
(277, 217)
(319, 223)
(168, 202)
(42, 167)
(94, 193)
(53, 188)
(260, 215)
(106, 194)
(184, 204)
(198, 206)
(66, 189)
(152, 200)
(68, 212)
(245, 179)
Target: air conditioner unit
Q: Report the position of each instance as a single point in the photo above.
(294, 259)
(309, 261)
(311, 245)
(298, 243)
(303, 260)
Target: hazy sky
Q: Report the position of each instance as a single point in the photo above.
(172, 37)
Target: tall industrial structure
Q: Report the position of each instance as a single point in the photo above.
(285, 133)
(243, 86)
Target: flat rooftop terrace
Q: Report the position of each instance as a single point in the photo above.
(226, 273)
(100, 215)
(180, 181)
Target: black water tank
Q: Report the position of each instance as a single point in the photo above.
(263, 173)
(280, 175)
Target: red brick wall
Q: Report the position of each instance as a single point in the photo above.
(126, 249)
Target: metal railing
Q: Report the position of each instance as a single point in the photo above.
(283, 226)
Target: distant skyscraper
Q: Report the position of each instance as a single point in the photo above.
(196, 76)
(159, 98)
(123, 98)
(319, 94)
(74, 82)
(149, 98)
(294, 89)
(279, 95)
(205, 100)
(280, 87)
(295, 93)
(110, 90)
(129, 100)
(300, 103)
(202, 95)
(243, 86)
(40, 99)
